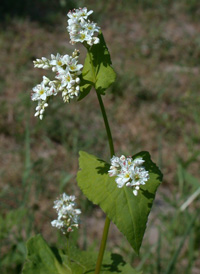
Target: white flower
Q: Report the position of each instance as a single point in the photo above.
(79, 13)
(128, 172)
(80, 28)
(113, 171)
(91, 27)
(84, 13)
(73, 66)
(123, 178)
(56, 62)
(53, 87)
(68, 216)
(58, 223)
(40, 92)
(115, 161)
(81, 36)
(138, 161)
(66, 80)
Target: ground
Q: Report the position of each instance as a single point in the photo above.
(153, 106)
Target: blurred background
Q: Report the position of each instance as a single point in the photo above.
(154, 105)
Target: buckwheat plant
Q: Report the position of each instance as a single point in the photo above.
(67, 214)
(124, 190)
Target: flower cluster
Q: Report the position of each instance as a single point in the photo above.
(67, 214)
(80, 28)
(129, 172)
(66, 80)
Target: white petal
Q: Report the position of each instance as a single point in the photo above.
(120, 182)
(43, 96)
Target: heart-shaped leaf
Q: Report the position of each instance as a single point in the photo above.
(128, 212)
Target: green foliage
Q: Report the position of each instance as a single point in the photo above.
(129, 213)
(174, 258)
(192, 7)
(11, 226)
(97, 70)
(8, 223)
(42, 259)
(85, 87)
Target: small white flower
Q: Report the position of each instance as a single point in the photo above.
(58, 224)
(113, 171)
(53, 89)
(122, 178)
(80, 28)
(56, 62)
(45, 80)
(68, 216)
(138, 161)
(115, 161)
(92, 27)
(84, 13)
(66, 81)
(40, 92)
(128, 172)
(73, 66)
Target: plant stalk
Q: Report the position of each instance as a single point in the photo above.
(111, 146)
(107, 221)
(102, 246)
(109, 135)
(68, 252)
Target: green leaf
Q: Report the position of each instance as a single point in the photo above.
(97, 70)
(128, 212)
(42, 260)
(85, 87)
(85, 262)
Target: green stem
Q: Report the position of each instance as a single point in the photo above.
(102, 246)
(68, 252)
(107, 221)
(109, 135)
(112, 152)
